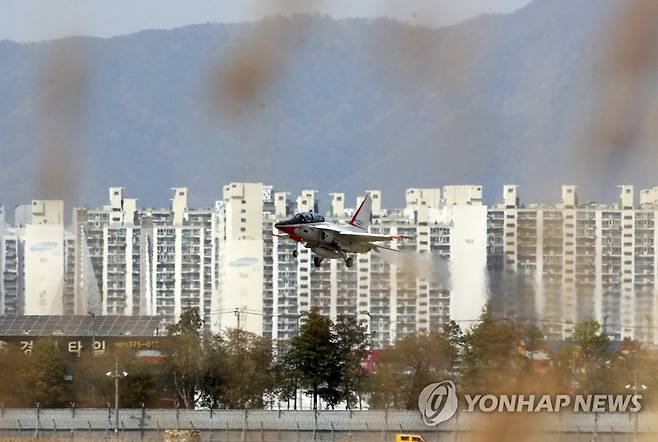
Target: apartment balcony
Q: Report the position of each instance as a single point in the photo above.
(194, 287)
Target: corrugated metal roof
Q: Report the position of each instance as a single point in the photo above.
(12, 325)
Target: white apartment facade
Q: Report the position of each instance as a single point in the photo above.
(44, 259)
(132, 261)
(241, 259)
(559, 264)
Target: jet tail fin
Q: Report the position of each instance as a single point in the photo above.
(361, 217)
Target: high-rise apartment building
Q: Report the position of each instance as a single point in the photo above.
(241, 257)
(3, 226)
(13, 280)
(557, 264)
(44, 259)
(132, 261)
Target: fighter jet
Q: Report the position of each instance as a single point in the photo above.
(334, 240)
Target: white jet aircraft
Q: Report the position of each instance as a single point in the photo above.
(335, 240)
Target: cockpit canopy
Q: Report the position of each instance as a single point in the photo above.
(304, 218)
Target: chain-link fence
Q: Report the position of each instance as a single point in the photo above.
(290, 426)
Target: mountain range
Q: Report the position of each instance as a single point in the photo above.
(309, 102)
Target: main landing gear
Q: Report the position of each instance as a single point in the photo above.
(317, 261)
(295, 253)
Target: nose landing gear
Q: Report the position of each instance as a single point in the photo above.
(317, 261)
(349, 261)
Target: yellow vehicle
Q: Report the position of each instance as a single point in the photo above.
(409, 438)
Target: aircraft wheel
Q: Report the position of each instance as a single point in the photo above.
(349, 261)
(295, 253)
(317, 261)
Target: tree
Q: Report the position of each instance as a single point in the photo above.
(13, 389)
(287, 377)
(185, 355)
(635, 368)
(351, 348)
(93, 388)
(311, 355)
(455, 337)
(214, 377)
(404, 369)
(138, 388)
(44, 374)
(585, 364)
(491, 358)
(238, 370)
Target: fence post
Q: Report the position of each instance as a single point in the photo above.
(332, 431)
(142, 423)
(227, 431)
(73, 410)
(297, 431)
(243, 434)
(38, 417)
(315, 423)
(262, 432)
(20, 427)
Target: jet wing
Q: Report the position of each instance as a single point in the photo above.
(361, 236)
(379, 247)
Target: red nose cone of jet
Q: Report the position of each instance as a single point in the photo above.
(284, 228)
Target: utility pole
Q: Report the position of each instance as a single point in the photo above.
(93, 352)
(93, 333)
(116, 375)
(635, 387)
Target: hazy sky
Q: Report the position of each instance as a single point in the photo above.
(32, 20)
